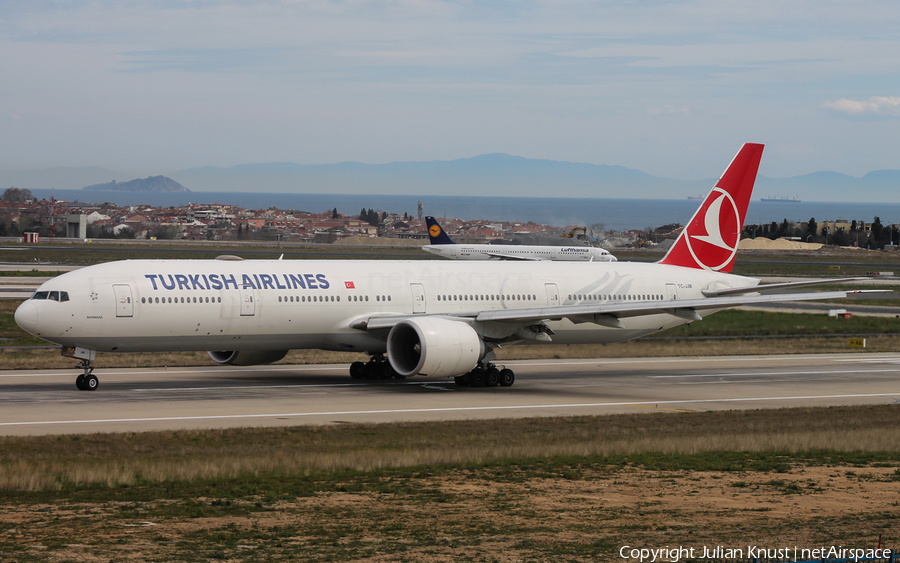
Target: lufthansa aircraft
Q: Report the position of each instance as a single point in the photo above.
(434, 319)
(443, 245)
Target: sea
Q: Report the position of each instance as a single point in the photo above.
(615, 214)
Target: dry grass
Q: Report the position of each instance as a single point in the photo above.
(58, 462)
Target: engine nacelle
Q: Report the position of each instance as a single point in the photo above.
(434, 347)
(247, 357)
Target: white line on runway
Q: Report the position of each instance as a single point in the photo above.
(201, 370)
(365, 385)
(446, 409)
(772, 373)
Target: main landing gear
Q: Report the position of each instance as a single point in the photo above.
(376, 368)
(87, 381)
(486, 375)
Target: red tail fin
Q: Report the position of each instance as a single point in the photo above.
(710, 240)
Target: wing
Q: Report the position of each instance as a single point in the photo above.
(608, 314)
(508, 257)
(770, 286)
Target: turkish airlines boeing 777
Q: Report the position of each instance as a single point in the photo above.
(435, 319)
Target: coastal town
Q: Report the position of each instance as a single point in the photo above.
(48, 219)
(34, 220)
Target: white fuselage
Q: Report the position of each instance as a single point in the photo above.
(520, 252)
(158, 305)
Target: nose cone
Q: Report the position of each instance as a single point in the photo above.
(27, 316)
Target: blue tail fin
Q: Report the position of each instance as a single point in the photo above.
(435, 233)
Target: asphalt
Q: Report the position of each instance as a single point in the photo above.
(47, 402)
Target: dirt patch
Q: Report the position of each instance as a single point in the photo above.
(585, 514)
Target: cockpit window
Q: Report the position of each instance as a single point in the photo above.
(51, 295)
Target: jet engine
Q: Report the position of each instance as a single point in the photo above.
(434, 347)
(247, 357)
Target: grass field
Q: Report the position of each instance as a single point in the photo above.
(543, 489)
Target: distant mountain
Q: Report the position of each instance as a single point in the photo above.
(149, 184)
(881, 185)
(484, 175)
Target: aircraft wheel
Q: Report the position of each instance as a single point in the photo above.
(507, 377)
(461, 380)
(492, 377)
(370, 371)
(357, 369)
(476, 378)
(79, 382)
(387, 371)
(90, 382)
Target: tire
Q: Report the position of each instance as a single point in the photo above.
(476, 378)
(357, 369)
(370, 371)
(492, 377)
(90, 382)
(507, 377)
(79, 382)
(461, 380)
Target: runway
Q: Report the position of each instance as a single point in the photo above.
(46, 402)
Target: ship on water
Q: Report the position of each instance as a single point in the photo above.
(794, 199)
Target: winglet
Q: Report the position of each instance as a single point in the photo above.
(435, 233)
(711, 238)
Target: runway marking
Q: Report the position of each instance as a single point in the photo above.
(201, 370)
(366, 384)
(600, 362)
(445, 409)
(772, 373)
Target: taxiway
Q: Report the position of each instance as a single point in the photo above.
(46, 402)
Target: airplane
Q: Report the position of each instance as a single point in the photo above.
(429, 319)
(443, 245)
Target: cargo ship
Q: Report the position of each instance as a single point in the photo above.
(794, 199)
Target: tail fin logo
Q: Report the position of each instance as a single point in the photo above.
(713, 243)
(710, 240)
(434, 230)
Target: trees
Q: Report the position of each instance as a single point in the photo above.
(370, 216)
(16, 195)
(812, 228)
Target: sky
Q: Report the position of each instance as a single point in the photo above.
(671, 88)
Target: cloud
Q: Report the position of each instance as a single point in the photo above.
(876, 105)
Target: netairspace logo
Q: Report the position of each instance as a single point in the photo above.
(796, 553)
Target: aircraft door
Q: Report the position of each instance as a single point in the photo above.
(671, 292)
(124, 304)
(248, 301)
(552, 294)
(418, 297)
